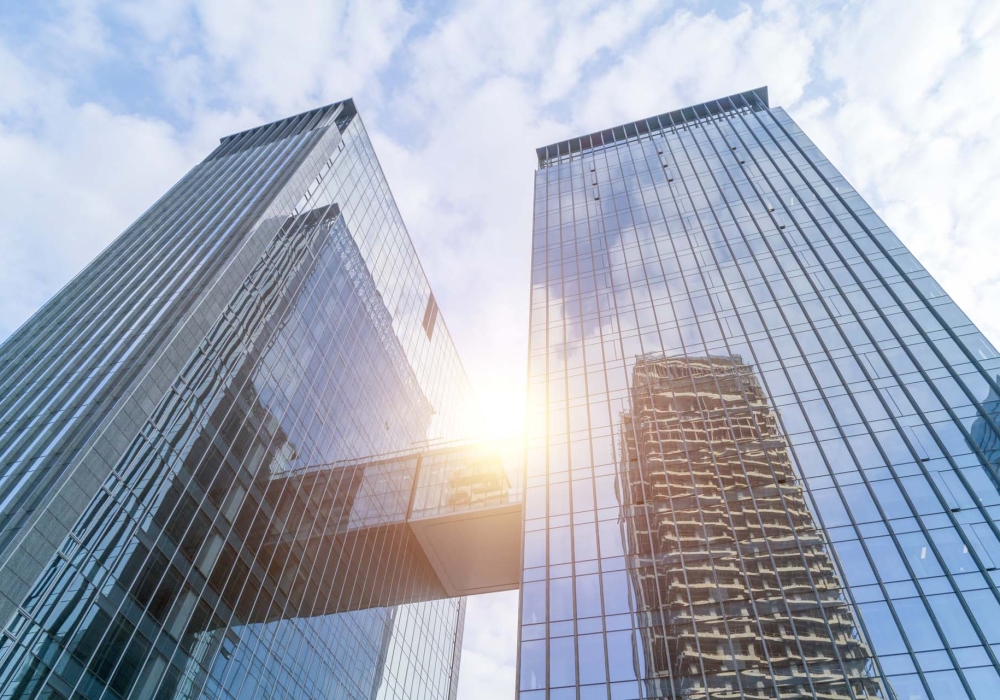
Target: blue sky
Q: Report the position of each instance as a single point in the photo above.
(104, 105)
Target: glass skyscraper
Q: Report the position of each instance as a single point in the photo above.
(227, 457)
(762, 442)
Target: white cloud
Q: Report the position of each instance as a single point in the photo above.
(691, 58)
(587, 33)
(286, 55)
(77, 30)
(496, 37)
(485, 87)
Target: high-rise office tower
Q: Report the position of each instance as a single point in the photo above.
(762, 441)
(226, 466)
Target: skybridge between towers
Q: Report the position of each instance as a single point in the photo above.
(451, 515)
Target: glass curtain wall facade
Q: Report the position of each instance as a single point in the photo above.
(762, 441)
(194, 498)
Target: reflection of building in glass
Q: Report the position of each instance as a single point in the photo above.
(736, 594)
(982, 434)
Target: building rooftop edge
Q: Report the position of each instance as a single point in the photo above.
(310, 119)
(630, 129)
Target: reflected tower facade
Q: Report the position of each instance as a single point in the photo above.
(213, 438)
(734, 588)
(761, 455)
